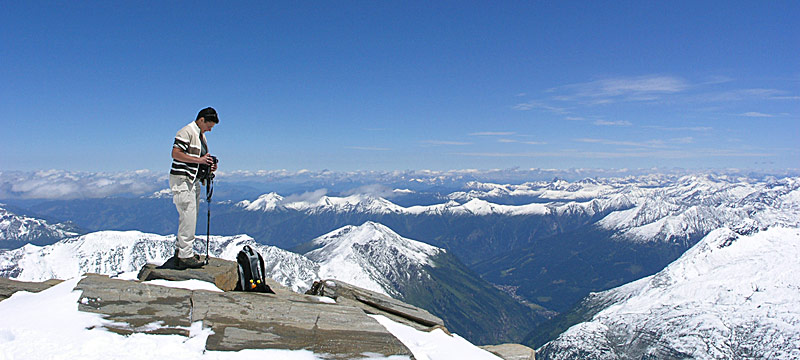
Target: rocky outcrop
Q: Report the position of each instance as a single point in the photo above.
(375, 303)
(222, 273)
(511, 351)
(239, 320)
(9, 287)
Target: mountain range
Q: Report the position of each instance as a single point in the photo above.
(370, 256)
(17, 230)
(557, 246)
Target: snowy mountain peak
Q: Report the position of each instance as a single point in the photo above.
(480, 207)
(353, 203)
(266, 202)
(376, 235)
(371, 255)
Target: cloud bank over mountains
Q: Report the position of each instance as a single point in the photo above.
(304, 184)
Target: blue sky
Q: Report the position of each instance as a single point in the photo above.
(403, 85)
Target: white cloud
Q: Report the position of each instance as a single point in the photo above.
(59, 184)
(747, 94)
(682, 140)
(682, 128)
(539, 105)
(308, 196)
(649, 143)
(375, 190)
(640, 88)
(641, 85)
(756, 114)
(492, 133)
(445, 142)
(612, 123)
(509, 141)
(367, 148)
(655, 154)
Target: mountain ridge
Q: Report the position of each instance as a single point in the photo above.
(731, 296)
(17, 230)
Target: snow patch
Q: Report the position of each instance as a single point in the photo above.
(434, 345)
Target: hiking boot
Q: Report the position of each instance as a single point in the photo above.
(193, 262)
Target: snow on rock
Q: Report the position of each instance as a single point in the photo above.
(193, 284)
(434, 345)
(730, 296)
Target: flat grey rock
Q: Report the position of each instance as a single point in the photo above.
(8, 287)
(266, 321)
(511, 351)
(239, 320)
(375, 303)
(222, 273)
(132, 305)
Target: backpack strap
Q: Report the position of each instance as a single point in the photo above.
(256, 268)
(242, 285)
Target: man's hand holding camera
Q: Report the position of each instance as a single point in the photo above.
(209, 160)
(208, 164)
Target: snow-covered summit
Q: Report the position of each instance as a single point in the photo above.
(353, 203)
(371, 255)
(266, 202)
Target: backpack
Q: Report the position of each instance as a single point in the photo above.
(251, 271)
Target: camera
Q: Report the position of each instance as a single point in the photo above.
(204, 172)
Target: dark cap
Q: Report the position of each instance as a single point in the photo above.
(209, 114)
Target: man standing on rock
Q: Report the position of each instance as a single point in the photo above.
(189, 154)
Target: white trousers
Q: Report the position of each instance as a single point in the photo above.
(186, 196)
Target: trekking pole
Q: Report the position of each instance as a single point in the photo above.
(209, 193)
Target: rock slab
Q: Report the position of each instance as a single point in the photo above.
(375, 303)
(222, 273)
(133, 305)
(239, 320)
(511, 351)
(9, 287)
